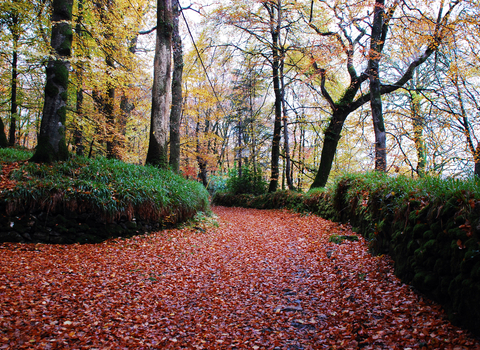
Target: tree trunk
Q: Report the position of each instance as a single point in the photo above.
(418, 125)
(177, 99)
(375, 93)
(286, 145)
(14, 106)
(78, 128)
(277, 127)
(239, 146)
(332, 136)
(3, 136)
(202, 164)
(78, 133)
(477, 160)
(51, 140)
(161, 92)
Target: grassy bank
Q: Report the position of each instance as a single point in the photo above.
(76, 197)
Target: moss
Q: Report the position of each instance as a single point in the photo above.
(430, 245)
(436, 227)
(66, 46)
(419, 229)
(429, 234)
(51, 89)
(64, 96)
(442, 267)
(63, 153)
(44, 152)
(431, 281)
(475, 272)
(60, 74)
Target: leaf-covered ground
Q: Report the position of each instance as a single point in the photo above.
(262, 280)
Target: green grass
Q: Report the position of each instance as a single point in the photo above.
(14, 154)
(111, 188)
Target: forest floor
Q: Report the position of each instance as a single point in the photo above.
(261, 280)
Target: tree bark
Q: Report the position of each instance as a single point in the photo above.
(14, 105)
(51, 139)
(109, 109)
(78, 128)
(3, 136)
(476, 158)
(177, 98)
(375, 93)
(78, 132)
(275, 26)
(202, 163)
(286, 144)
(418, 125)
(330, 143)
(157, 154)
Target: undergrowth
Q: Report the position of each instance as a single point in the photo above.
(14, 154)
(110, 188)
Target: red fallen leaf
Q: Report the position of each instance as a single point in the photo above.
(225, 295)
(460, 244)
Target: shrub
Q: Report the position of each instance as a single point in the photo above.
(249, 182)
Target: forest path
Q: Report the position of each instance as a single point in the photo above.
(261, 280)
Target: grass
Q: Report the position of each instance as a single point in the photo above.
(14, 154)
(111, 188)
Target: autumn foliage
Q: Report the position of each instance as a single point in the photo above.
(261, 280)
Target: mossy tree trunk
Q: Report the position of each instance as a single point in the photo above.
(177, 99)
(157, 154)
(51, 139)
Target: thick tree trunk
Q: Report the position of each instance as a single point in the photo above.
(177, 98)
(375, 93)
(330, 143)
(51, 140)
(14, 105)
(161, 92)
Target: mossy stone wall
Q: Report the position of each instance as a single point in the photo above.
(435, 243)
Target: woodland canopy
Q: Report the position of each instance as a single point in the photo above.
(296, 91)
